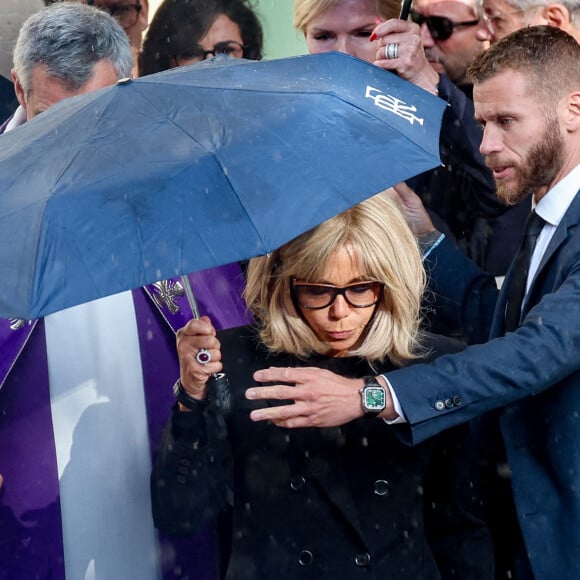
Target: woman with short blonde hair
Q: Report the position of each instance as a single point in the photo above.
(330, 503)
(379, 238)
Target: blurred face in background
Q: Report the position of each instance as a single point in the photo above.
(451, 55)
(345, 28)
(500, 19)
(132, 15)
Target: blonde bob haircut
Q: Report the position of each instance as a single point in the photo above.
(305, 11)
(377, 236)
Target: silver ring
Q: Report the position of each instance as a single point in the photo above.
(392, 50)
(203, 356)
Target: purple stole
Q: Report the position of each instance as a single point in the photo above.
(31, 543)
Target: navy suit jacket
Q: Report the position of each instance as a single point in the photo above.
(532, 375)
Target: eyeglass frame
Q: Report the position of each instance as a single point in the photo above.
(336, 291)
(214, 51)
(489, 19)
(421, 19)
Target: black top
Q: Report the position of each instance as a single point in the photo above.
(314, 503)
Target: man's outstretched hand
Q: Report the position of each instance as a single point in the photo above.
(320, 397)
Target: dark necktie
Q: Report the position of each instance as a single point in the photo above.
(517, 289)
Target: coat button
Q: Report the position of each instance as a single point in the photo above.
(362, 560)
(439, 405)
(297, 483)
(305, 558)
(381, 487)
(449, 403)
(457, 400)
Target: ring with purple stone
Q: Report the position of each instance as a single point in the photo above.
(203, 356)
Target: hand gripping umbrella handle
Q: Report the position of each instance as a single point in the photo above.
(218, 383)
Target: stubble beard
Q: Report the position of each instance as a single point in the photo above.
(539, 169)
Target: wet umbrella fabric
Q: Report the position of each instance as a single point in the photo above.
(197, 167)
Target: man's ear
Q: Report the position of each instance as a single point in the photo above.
(573, 119)
(557, 15)
(18, 89)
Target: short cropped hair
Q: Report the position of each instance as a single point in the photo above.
(381, 241)
(573, 6)
(548, 56)
(305, 11)
(180, 24)
(69, 39)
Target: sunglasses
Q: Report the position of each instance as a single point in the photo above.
(440, 27)
(318, 296)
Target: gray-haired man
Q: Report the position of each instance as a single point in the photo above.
(65, 51)
(501, 17)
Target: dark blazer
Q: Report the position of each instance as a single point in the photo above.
(313, 503)
(8, 101)
(532, 375)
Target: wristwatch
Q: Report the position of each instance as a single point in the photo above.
(373, 397)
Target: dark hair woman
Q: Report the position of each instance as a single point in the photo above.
(189, 31)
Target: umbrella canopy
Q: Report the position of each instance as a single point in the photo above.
(197, 167)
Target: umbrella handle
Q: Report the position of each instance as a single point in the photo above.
(220, 392)
(218, 382)
(406, 8)
(190, 296)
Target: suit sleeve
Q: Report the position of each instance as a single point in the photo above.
(542, 352)
(460, 296)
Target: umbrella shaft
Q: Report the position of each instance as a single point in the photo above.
(190, 296)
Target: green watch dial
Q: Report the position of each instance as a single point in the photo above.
(374, 398)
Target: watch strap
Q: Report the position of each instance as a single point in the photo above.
(186, 399)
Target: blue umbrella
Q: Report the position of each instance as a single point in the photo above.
(197, 167)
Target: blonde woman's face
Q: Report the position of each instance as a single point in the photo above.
(339, 325)
(344, 28)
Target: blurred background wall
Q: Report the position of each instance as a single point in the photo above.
(12, 14)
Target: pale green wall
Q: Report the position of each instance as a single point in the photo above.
(280, 38)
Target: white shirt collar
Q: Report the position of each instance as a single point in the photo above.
(556, 202)
(19, 118)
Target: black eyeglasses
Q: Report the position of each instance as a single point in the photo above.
(318, 296)
(198, 53)
(440, 27)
